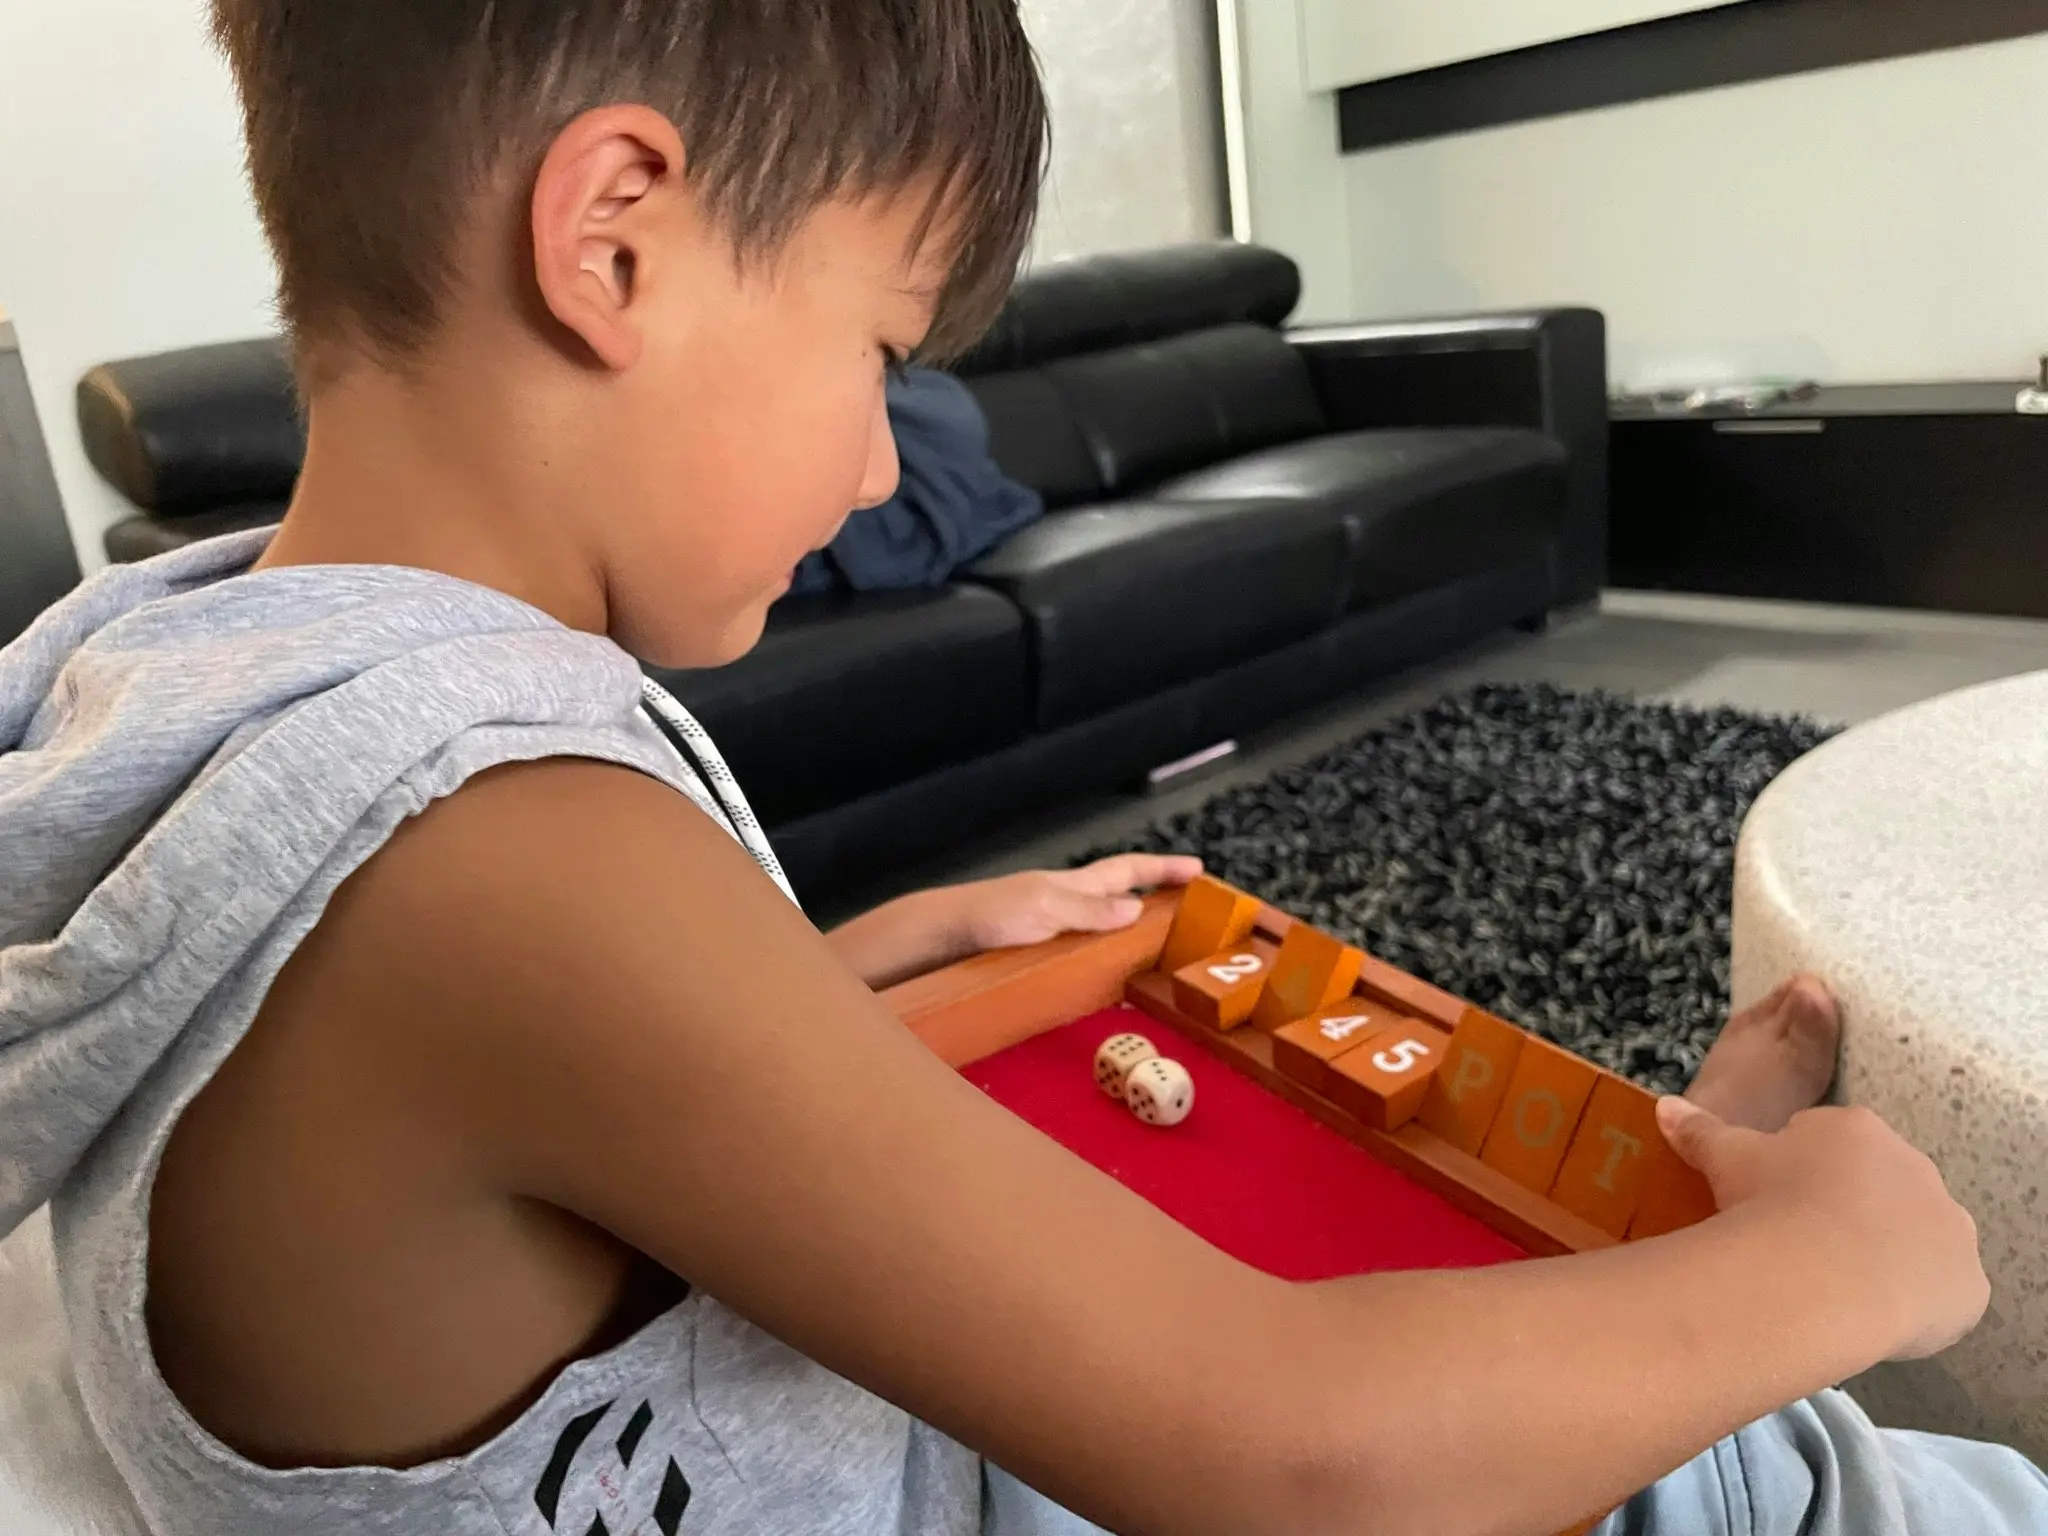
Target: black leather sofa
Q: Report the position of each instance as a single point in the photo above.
(1244, 521)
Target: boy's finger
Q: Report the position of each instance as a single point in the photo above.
(1085, 912)
(1141, 871)
(1702, 1138)
(1109, 875)
(1174, 869)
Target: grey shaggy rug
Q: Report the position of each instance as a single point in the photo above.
(1563, 859)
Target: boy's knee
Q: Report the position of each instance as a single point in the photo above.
(1967, 1487)
(1822, 1468)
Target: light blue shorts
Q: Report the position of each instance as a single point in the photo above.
(1822, 1468)
(1818, 1469)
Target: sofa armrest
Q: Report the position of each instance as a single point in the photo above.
(38, 563)
(1544, 368)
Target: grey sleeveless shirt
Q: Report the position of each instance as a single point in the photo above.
(192, 758)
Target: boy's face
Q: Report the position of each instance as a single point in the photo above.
(751, 421)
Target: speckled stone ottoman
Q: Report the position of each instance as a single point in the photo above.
(1906, 862)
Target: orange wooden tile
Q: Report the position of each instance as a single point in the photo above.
(1314, 971)
(1539, 1114)
(1382, 1082)
(1304, 1049)
(1466, 1093)
(1410, 994)
(1675, 1195)
(1604, 1168)
(1212, 916)
(1221, 991)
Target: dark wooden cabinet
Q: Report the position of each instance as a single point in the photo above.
(1920, 496)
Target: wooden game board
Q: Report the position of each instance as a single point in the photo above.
(1251, 986)
(1601, 1174)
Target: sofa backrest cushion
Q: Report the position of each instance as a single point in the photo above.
(1093, 303)
(1113, 422)
(1034, 438)
(196, 429)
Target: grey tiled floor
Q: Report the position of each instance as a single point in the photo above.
(1840, 664)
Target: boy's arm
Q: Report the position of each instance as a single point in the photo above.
(906, 937)
(921, 932)
(645, 1032)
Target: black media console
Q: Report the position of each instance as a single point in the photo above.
(1915, 496)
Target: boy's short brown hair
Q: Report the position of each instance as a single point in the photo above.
(373, 124)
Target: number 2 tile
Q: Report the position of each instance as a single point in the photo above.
(1222, 990)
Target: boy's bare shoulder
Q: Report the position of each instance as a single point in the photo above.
(561, 811)
(544, 893)
(521, 852)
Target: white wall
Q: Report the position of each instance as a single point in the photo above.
(124, 226)
(1287, 186)
(1136, 156)
(1881, 222)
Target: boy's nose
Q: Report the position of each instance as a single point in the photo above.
(884, 470)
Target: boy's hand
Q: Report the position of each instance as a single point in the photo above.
(1878, 1204)
(1030, 908)
(929, 929)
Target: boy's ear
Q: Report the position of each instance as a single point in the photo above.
(594, 220)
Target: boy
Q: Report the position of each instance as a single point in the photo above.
(415, 1035)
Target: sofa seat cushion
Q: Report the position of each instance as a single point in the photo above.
(1421, 506)
(849, 694)
(138, 538)
(1127, 599)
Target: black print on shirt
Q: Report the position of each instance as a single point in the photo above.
(588, 1488)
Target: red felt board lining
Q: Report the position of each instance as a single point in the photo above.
(1247, 1170)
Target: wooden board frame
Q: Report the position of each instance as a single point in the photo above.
(1005, 997)
(987, 1004)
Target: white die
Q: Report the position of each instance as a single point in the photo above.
(1114, 1061)
(1160, 1092)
